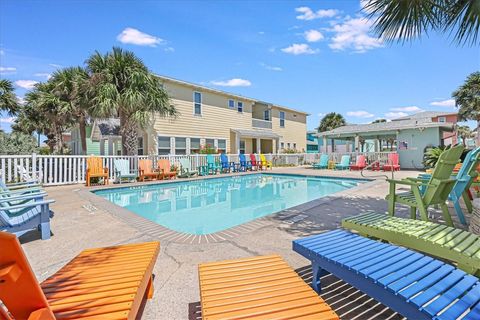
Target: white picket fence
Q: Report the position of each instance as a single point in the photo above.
(69, 169)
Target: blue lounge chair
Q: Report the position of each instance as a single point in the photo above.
(344, 163)
(244, 165)
(212, 166)
(408, 282)
(227, 166)
(322, 163)
(21, 218)
(122, 170)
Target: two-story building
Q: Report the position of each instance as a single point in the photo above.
(225, 121)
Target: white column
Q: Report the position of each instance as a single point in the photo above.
(259, 149)
(357, 143)
(188, 145)
(237, 142)
(325, 144)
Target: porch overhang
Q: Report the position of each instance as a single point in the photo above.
(256, 133)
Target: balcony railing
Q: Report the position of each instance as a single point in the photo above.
(259, 123)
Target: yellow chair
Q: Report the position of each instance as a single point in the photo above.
(95, 169)
(264, 163)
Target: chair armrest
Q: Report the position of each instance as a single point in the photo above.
(405, 182)
(21, 191)
(24, 197)
(27, 205)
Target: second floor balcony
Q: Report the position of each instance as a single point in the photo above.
(263, 124)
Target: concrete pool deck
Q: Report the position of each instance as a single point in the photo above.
(82, 221)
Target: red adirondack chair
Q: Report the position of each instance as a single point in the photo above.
(255, 164)
(361, 163)
(392, 163)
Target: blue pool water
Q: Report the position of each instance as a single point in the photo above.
(212, 205)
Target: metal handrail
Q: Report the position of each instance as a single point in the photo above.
(377, 176)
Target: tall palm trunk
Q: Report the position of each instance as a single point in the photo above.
(128, 131)
(478, 132)
(83, 134)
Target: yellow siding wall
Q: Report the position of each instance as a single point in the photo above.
(295, 130)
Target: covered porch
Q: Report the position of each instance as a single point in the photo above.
(254, 141)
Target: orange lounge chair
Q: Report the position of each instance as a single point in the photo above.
(103, 283)
(163, 166)
(145, 170)
(360, 164)
(95, 169)
(392, 163)
(263, 287)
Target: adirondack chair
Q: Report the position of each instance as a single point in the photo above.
(434, 239)
(322, 162)
(163, 165)
(19, 188)
(227, 166)
(122, 170)
(263, 287)
(410, 283)
(186, 169)
(344, 163)
(102, 283)
(392, 163)
(264, 163)
(212, 166)
(19, 218)
(244, 164)
(26, 177)
(436, 192)
(360, 164)
(254, 162)
(95, 169)
(145, 170)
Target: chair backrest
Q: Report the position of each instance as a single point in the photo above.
(323, 160)
(163, 165)
(145, 165)
(223, 159)
(393, 159)
(253, 159)
(185, 163)
(19, 289)
(439, 185)
(122, 165)
(242, 159)
(345, 161)
(361, 160)
(469, 166)
(95, 164)
(210, 159)
(262, 158)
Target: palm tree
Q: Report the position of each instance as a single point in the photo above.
(122, 86)
(70, 86)
(8, 99)
(400, 20)
(329, 122)
(467, 100)
(465, 133)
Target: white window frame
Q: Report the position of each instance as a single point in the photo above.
(224, 150)
(140, 146)
(192, 150)
(184, 149)
(266, 115)
(282, 119)
(240, 149)
(442, 119)
(169, 145)
(294, 146)
(282, 145)
(240, 106)
(233, 104)
(195, 103)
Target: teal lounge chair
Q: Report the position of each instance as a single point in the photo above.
(344, 163)
(122, 170)
(212, 166)
(322, 163)
(186, 169)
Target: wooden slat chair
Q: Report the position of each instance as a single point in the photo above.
(263, 287)
(164, 167)
(186, 169)
(360, 164)
(393, 162)
(264, 163)
(434, 239)
(344, 163)
(322, 162)
(436, 191)
(145, 170)
(410, 283)
(103, 283)
(123, 171)
(95, 169)
(255, 164)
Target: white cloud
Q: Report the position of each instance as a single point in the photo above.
(313, 35)
(393, 115)
(235, 82)
(271, 68)
(7, 70)
(360, 114)
(26, 84)
(297, 49)
(407, 109)
(43, 75)
(134, 36)
(353, 33)
(7, 120)
(444, 103)
(56, 66)
(169, 49)
(21, 100)
(308, 14)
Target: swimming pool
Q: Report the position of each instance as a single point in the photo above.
(211, 205)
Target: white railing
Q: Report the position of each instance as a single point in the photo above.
(259, 123)
(69, 169)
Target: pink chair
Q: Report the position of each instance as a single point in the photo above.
(361, 163)
(392, 163)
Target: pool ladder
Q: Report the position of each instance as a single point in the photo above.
(377, 176)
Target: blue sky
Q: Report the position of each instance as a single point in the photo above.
(313, 56)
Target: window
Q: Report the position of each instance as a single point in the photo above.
(163, 145)
(266, 115)
(282, 145)
(180, 145)
(140, 146)
(194, 145)
(240, 106)
(282, 119)
(197, 103)
(288, 145)
(442, 119)
(242, 146)
(231, 104)
(295, 146)
(222, 145)
(210, 143)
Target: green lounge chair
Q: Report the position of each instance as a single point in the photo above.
(436, 191)
(344, 163)
(186, 169)
(212, 166)
(322, 162)
(434, 239)
(122, 170)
